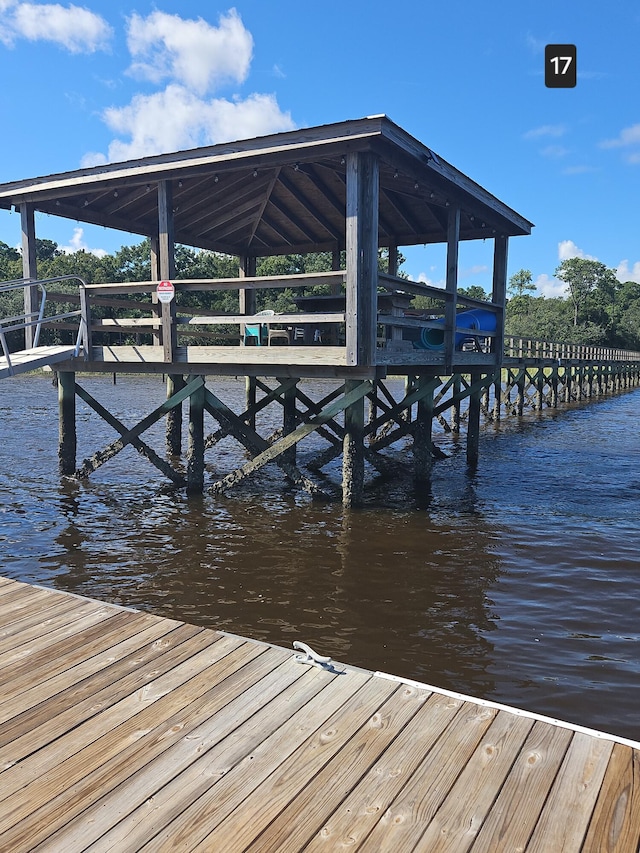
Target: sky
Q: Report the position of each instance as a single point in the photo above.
(119, 79)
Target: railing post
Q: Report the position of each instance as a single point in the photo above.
(86, 336)
(453, 239)
(29, 269)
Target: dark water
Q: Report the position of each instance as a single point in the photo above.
(517, 583)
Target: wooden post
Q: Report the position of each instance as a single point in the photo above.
(453, 238)
(195, 450)
(289, 422)
(247, 305)
(362, 258)
(175, 382)
(499, 294)
(156, 306)
(166, 259)
(455, 409)
(422, 434)
(473, 427)
(353, 450)
(67, 422)
(521, 382)
(29, 268)
(554, 386)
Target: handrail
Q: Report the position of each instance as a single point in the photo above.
(9, 324)
(523, 347)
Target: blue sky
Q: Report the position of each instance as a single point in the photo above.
(112, 80)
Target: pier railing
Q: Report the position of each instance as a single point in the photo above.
(325, 320)
(531, 348)
(39, 319)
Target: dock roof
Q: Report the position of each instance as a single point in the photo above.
(276, 194)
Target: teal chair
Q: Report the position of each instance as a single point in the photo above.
(256, 336)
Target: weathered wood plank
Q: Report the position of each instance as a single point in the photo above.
(402, 825)
(151, 771)
(615, 824)
(461, 815)
(173, 788)
(517, 808)
(193, 825)
(565, 818)
(357, 815)
(181, 731)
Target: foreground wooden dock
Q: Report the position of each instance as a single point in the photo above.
(123, 731)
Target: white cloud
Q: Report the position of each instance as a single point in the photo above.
(194, 53)
(553, 130)
(554, 151)
(77, 243)
(625, 273)
(72, 27)
(424, 278)
(197, 59)
(550, 287)
(577, 170)
(92, 158)
(628, 136)
(568, 249)
(175, 119)
(477, 269)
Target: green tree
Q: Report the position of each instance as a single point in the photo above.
(583, 277)
(521, 283)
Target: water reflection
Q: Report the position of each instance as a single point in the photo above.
(398, 591)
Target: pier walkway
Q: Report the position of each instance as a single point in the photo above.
(124, 731)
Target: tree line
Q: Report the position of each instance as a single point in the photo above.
(597, 309)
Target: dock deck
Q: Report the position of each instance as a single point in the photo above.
(123, 731)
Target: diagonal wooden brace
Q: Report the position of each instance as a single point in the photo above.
(131, 435)
(271, 454)
(254, 443)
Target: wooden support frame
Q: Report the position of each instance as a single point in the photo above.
(126, 434)
(195, 450)
(132, 435)
(67, 441)
(166, 264)
(362, 257)
(453, 241)
(273, 453)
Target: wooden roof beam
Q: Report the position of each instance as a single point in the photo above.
(309, 206)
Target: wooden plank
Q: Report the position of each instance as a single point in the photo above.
(275, 793)
(245, 283)
(74, 643)
(119, 726)
(517, 808)
(188, 734)
(349, 825)
(401, 826)
(266, 357)
(26, 635)
(174, 788)
(240, 772)
(457, 822)
(90, 643)
(27, 617)
(565, 818)
(615, 824)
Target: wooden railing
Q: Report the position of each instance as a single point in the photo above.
(523, 348)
